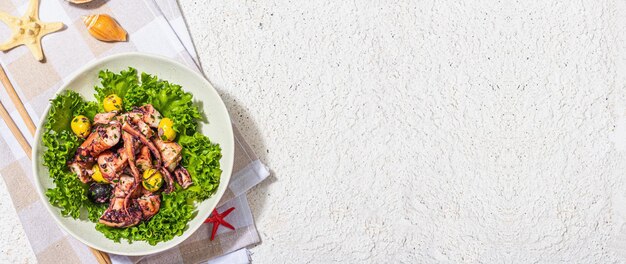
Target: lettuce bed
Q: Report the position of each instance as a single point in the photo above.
(199, 155)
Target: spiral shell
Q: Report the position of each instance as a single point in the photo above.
(104, 28)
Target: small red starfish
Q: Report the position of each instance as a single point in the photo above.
(217, 219)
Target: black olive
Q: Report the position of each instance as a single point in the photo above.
(99, 193)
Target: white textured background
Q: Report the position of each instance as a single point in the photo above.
(420, 131)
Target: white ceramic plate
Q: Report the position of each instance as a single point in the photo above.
(218, 129)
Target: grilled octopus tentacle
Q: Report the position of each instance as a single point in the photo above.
(144, 161)
(104, 118)
(183, 177)
(117, 215)
(149, 205)
(157, 155)
(168, 180)
(102, 137)
(130, 153)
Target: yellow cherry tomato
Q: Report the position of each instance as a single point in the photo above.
(166, 129)
(152, 180)
(81, 126)
(112, 103)
(97, 175)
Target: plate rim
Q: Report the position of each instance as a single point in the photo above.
(77, 74)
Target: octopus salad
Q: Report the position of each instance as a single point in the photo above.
(132, 162)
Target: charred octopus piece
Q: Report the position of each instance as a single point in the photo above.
(149, 205)
(132, 131)
(81, 169)
(136, 119)
(104, 118)
(167, 176)
(112, 163)
(117, 215)
(130, 153)
(144, 129)
(148, 114)
(124, 186)
(141, 209)
(171, 153)
(103, 137)
(144, 161)
(182, 177)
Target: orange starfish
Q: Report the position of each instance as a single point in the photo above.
(28, 30)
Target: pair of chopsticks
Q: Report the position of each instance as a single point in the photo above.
(103, 258)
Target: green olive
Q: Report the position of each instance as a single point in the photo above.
(152, 180)
(81, 126)
(166, 129)
(112, 103)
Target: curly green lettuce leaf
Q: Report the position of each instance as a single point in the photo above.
(114, 83)
(202, 159)
(94, 210)
(90, 109)
(69, 193)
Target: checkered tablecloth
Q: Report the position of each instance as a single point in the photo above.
(154, 26)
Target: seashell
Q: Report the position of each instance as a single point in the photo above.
(79, 1)
(104, 28)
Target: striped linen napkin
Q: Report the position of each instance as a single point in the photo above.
(154, 26)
